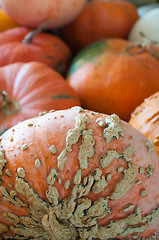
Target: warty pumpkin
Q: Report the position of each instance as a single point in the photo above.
(99, 19)
(33, 13)
(27, 89)
(145, 118)
(24, 45)
(77, 174)
(113, 76)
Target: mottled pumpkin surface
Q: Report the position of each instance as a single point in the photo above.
(77, 174)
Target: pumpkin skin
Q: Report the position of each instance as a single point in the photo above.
(44, 48)
(34, 13)
(32, 88)
(6, 22)
(109, 79)
(145, 118)
(57, 160)
(100, 19)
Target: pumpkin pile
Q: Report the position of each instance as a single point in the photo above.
(74, 77)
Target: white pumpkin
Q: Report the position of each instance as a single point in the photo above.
(148, 25)
(145, 9)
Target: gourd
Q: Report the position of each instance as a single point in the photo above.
(145, 9)
(148, 25)
(77, 174)
(27, 89)
(99, 19)
(145, 118)
(24, 45)
(35, 12)
(6, 22)
(114, 75)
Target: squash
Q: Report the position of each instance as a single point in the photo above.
(145, 118)
(114, 76)
(145, 9)
(77, 174)
(24, 45)
(148, 25)
(99, 19)
(6, 22)
(33, 13)
(27, 89)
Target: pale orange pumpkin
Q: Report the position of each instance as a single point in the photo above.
(35, 12)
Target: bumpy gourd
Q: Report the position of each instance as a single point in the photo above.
(77, 174)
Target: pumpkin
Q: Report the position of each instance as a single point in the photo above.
(145, 118)
(145, 9)
(23, 45)
(77, 174)
(99, 19)
(27, 89)
(148, 25)
(6, 22)
(34, 13)
(113, 76)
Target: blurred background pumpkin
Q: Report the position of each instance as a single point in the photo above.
(33, 13)
(24, 45)
(99, 19)
(6, 22)
(114, 76)
(145, 118)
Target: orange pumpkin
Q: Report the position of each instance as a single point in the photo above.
(77, 174)
(6, 22)
(100, 19)
(21, 45)
(112, 77)
(27, 89)
(145, 118)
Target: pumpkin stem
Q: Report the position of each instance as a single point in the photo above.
(9, 106)
(29, 37)
(144, 46)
